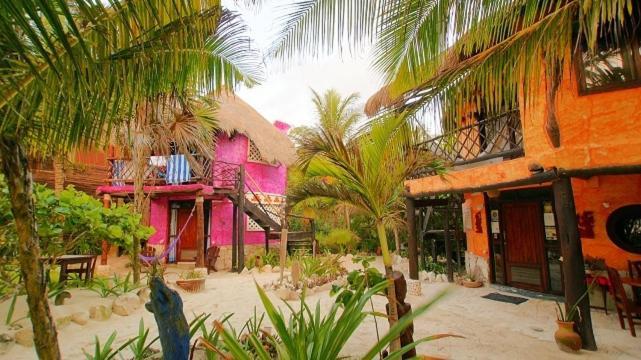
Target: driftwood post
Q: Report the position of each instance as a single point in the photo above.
(234, 237)
(573, 266)
(200, 230)
(283, 246)
(104, 255)
(448, 245)
(173, 330)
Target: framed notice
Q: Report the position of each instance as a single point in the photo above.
(550, 233)
(494, 215)
(495, 227)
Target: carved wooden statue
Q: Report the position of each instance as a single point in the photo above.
(407, 336)
(173, 330)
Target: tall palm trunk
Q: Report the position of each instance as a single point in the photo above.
(138, 162)
(58, 172)
(391, 289)
(397, 240)
(18, 175)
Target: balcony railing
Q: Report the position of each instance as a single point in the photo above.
(496, 137)
(164, 170)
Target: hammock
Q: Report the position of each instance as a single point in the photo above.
(152, 259)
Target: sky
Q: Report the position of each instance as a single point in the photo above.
(285, 93)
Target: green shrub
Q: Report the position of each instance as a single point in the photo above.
(339, 241)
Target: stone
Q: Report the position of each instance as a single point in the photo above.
(6, 342)
(143, 295)
(286, 294)
(431, 276)
(63, 321)
(276, 269)
(125, 304)
(100, 312)
(422, 275)
(80, 318)
(24, 337)
(266, 268)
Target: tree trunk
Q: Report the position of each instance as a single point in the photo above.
(139, 164)
(397, 241)
(391, 291)
(58, 172)
(18, 176)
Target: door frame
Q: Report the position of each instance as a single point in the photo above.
(538, 194)
(207, 224)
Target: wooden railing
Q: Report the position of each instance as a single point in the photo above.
(496, 137)
(163, 170)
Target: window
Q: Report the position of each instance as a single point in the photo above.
(615, 62)
(624, 228)
(254, 154)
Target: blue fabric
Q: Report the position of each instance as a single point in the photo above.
(178, 170)
(118, 172)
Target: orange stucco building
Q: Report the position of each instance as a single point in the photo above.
(508, 192)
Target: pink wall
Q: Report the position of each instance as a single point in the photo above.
(271, 179)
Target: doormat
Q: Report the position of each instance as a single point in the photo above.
(505, 298)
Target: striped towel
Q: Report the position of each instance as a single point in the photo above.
(119, 169)
(178, 170)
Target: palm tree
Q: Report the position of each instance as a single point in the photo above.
(366, 171)
(70, 70)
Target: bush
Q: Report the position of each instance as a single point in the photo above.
(339, 241)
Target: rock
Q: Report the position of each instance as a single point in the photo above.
(24, 337)
(276, 269)
(143, 295)
(431, 276)
(63, 321)
(422, 275)
(6, 342)
(100, 312)
(125, 304)
(60, 298)
(266, 268)
(80, 318)
(287, 294)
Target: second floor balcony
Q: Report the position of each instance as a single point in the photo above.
(498, 137)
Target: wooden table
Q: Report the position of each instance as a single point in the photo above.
(87, 264)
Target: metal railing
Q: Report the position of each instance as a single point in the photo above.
(163, 170)
(496, 137)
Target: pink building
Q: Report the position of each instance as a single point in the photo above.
(194, 201)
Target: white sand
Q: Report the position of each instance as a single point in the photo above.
(492, 330)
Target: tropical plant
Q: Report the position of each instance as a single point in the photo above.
(191, 275)
(351, 172)
(572, 311)
(308, 334)
(106, 351)
(339, 241)
(139, 346)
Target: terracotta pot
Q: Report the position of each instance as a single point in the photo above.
(191, 285)
(472, 283)
(566, 338)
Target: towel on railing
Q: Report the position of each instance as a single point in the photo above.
(178, 170)
(121, 170)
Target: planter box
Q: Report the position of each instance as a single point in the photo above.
(191, 285)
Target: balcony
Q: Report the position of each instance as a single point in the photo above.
(497, 137)
(175, 169)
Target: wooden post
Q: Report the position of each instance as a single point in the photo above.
(412, 247)
(267, 231)
(241, 219)
(572, 253)
(448, 245)
(314, 243)
(234, 237)
(283, 246)
(200, 231)
(104, 255)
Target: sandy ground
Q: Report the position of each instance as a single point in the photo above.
(492, 330)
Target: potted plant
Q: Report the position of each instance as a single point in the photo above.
(566, 338)
(192, 281)
(471, 281)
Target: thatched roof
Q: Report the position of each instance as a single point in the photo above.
(235, 115)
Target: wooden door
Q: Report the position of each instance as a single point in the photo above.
(523, 226)
(187, 242)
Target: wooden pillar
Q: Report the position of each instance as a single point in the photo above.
(200, 231)
(448, 245)
(240, 221)
(283, 246)
(234, 237)
(267, 231)
(106, 202)
(572, 253)
(412, 247)
(314, 243)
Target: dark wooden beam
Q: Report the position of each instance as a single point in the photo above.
(573, 266)
(234, 237)
(448, 245)
(312, 226)
(412, 247)
(601, 171)
(241, 218)
(266, 239)
(200, 231)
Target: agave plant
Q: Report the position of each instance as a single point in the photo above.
(308, 334)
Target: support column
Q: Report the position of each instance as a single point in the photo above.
(267, 231)
(412, 247)
(106, 202)
(572, 253)
(200, 231)
(240, 262)
(234, 238)
(448, 245)
(314, 242)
